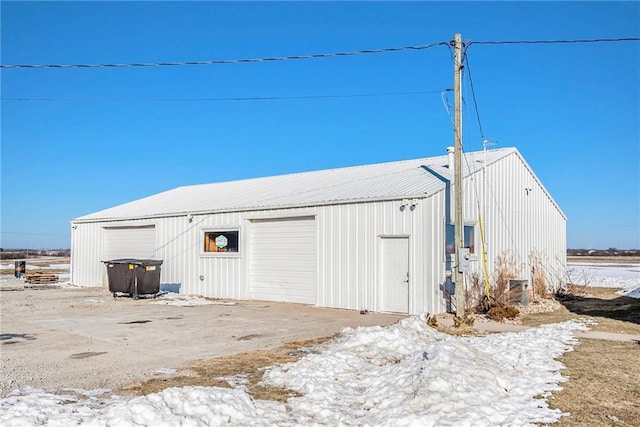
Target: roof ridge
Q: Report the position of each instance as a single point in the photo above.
(342, 168)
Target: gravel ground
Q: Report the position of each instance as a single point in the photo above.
(81, 338)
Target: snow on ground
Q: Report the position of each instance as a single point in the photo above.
(405, 374)
(31, 266)
(607, 275)
(170, 298)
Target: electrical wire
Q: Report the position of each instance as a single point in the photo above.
(249, 98)
(230, 61)
(612, 40)
(447, 106)
(473, 96)
(314, 56)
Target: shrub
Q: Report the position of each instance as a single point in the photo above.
(507, 267)
(432, 321)
(465, 321)
(539, 276)
(474, 293)
(501, 312)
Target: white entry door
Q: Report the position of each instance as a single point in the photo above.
(394, 286)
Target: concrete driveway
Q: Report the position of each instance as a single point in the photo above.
(82, 338)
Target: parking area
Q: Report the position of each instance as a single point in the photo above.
(81, 338)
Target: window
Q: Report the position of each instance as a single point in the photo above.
(469, 237)
(221, 241)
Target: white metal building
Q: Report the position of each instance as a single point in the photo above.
(365, 238)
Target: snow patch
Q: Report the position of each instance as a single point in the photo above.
(405, 374)
(625, 277)
(170, 298)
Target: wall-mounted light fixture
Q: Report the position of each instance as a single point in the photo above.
(406, 203)
(189, 217)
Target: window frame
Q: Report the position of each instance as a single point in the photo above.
(219, 231)
(469, 238)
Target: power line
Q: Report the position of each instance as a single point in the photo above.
(249, 98)
(624, 39)
(229, 61)
(314, 56)
(473, 96)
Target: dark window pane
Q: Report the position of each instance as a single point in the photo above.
(221, 241)
(469, 238)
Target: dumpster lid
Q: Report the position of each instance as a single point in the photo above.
(136, 261)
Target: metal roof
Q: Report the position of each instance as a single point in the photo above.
(383, 181)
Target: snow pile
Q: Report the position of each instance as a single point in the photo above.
(412, 374)
(634, 294)
(406, 374)
(171, 298)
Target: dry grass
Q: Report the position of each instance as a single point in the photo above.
(247, 367)
(604, 384)
(604, 379)
(614, 313)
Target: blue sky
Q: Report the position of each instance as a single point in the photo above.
(115, 135)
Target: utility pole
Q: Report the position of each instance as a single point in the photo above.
(457, 136)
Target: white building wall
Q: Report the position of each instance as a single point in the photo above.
(521, 221)
(86, 250)
(87, 243)
(348, 252)
(349, 242)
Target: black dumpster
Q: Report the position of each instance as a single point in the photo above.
(134, 276)
(21, 267)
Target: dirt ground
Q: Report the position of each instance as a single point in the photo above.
(604, 375)
(57, 338)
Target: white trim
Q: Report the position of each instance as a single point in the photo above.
(211, 229)
(130, 224)
(255, 208)
(283, 216)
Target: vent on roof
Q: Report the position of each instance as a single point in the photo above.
(450, 151)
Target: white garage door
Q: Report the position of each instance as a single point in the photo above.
(283, 260)
(129, 242)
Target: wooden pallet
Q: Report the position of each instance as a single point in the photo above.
(40, 278)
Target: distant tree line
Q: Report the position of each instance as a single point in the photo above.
(603, 252)
(32, 253)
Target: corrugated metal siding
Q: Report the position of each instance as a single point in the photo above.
(86, 250)
(349, 234)
(349, 252)
(519, 223)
